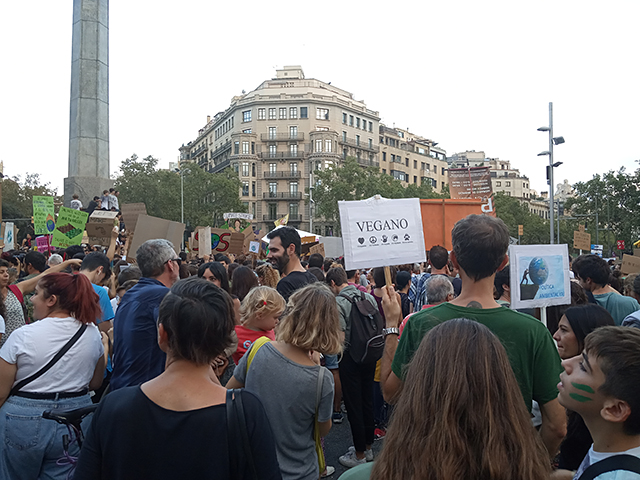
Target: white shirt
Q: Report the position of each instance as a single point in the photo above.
(32, 346)
(593, 457)
(1, 324)
(76, 204)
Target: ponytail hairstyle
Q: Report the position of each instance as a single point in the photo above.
(265, 300)
(75, 295)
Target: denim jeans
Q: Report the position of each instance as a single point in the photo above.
(32, 445)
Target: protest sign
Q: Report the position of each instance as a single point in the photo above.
(69, 227)
(204, 241)
(581, 240)
(225, 241)
(597, 250)
(378, 232)
(44, 222)
(9, 236)
(99, 227)
(319, 248)
(149, 228)
(43, 244)
(630, 264)
(243, 216)
(254, 247)
(473, 182)
(539, 276)
(130, 212)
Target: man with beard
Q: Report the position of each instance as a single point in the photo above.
(284, 254)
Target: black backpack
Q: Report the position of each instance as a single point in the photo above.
(366, 342)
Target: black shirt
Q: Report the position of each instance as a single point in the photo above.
(294, 281)
(133, 438)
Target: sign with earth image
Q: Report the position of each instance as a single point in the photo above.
(539, 276)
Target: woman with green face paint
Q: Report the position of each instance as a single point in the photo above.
(573, 328)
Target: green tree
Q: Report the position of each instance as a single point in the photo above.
(351, 181)
(207, 196)
(615, 197)
(17, 199)
(513, 212)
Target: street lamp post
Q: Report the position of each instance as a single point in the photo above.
(552, 141)
(181, 172)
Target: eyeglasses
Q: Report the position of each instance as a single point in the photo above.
(177, 260)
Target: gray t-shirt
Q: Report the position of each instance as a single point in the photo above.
(288, 392)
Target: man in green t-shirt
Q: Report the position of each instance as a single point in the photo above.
(480, 244)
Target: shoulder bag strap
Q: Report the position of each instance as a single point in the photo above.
(319, 391)
(17, 292)
(51, 363)
(257, 345)
(240, 424)
(344, 295)
(625, 462)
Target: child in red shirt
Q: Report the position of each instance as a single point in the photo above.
(259, 314)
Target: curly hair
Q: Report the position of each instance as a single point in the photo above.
(269, 276)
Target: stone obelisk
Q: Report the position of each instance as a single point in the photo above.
(89, 119)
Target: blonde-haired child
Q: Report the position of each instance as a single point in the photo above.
(259, 314)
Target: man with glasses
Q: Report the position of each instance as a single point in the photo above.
(136, 354)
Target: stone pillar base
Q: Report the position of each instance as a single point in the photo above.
(85, 187)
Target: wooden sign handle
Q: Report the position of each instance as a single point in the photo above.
(387, 276)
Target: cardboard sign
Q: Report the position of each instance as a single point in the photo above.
(43, 244)
(333, 247)
(597, 250)
(581, 227)
(539, 276)
(630, 264)
(317, 249)
(44, 222)
(378, 231)
(473, 182)
(99, 227)
(204, 241)
(69, 227)
(582, 240)
(243, 216)
(225, 241)
(8, 236)
(149, 228)
(254, 247)
(130, 212)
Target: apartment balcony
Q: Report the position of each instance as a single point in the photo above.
(282, 155)
(292, 218)
(368, 163)
(221, 166)
(364, 145)
(282, 195)
(198, 151)
(282, 174)
(281, 137)
(221, 149)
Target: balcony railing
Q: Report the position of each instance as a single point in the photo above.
(281, 155)
(361, 144)
(282, 174)
(281, 137)
(221, 149)
(367, 162)
(221, 166)
(292, 218)
(283, 195)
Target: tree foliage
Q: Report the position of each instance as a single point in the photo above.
(207, 196)
(17, 198)
(615, 197)
(351, 181)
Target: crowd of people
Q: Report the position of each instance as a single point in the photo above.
(234, 367)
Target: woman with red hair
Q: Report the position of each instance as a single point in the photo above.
(52, 363)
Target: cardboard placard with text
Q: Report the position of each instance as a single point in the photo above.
(149, 228)
(582, 240)
(130, 212)
(204, 241)
(69, 227)
(317, 249)
(378, 232)
(99, 227)
(630, 264)
(225, 241)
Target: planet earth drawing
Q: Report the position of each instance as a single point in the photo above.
(538, 270)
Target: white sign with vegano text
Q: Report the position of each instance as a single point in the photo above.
(378, 231)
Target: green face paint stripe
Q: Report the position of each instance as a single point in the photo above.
(580, 398)
(584, 388)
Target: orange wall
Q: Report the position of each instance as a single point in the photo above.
(440, 215)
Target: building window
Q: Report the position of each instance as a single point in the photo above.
(245, 189)
(371, 126)
(293, 188)
(344, 154)
(370, 143)
(246, 116)
(283, 113)
(236, 148)
(318, 145)
(253, 188)
(415, 179)
(442, 170)
(415, 164)
(344, 136)
(322, 129)
(322, 113)
(272, 133)
(293, 149)
(273, 168)
(384, 156)
(434, 183)
(498, 184)
(358, 140)
(508, 194)
(303, 112)
(245, 169)
(246, 130)
(273, 210)
(351, 120)
(253, 166)
(262, 113)
(327, 146)
(293, 167)
(507, 184)
(344, 118)
(293, 209)
(357, 122)
(406, 162)
(293, 112)
(293, 132)
(272, 114)
(273, 189)
(272, 151)
(245, 149)
(384, 170)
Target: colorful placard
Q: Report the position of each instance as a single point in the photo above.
(44, 222)
(69, 227)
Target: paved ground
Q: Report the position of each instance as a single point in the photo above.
(338, 442)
